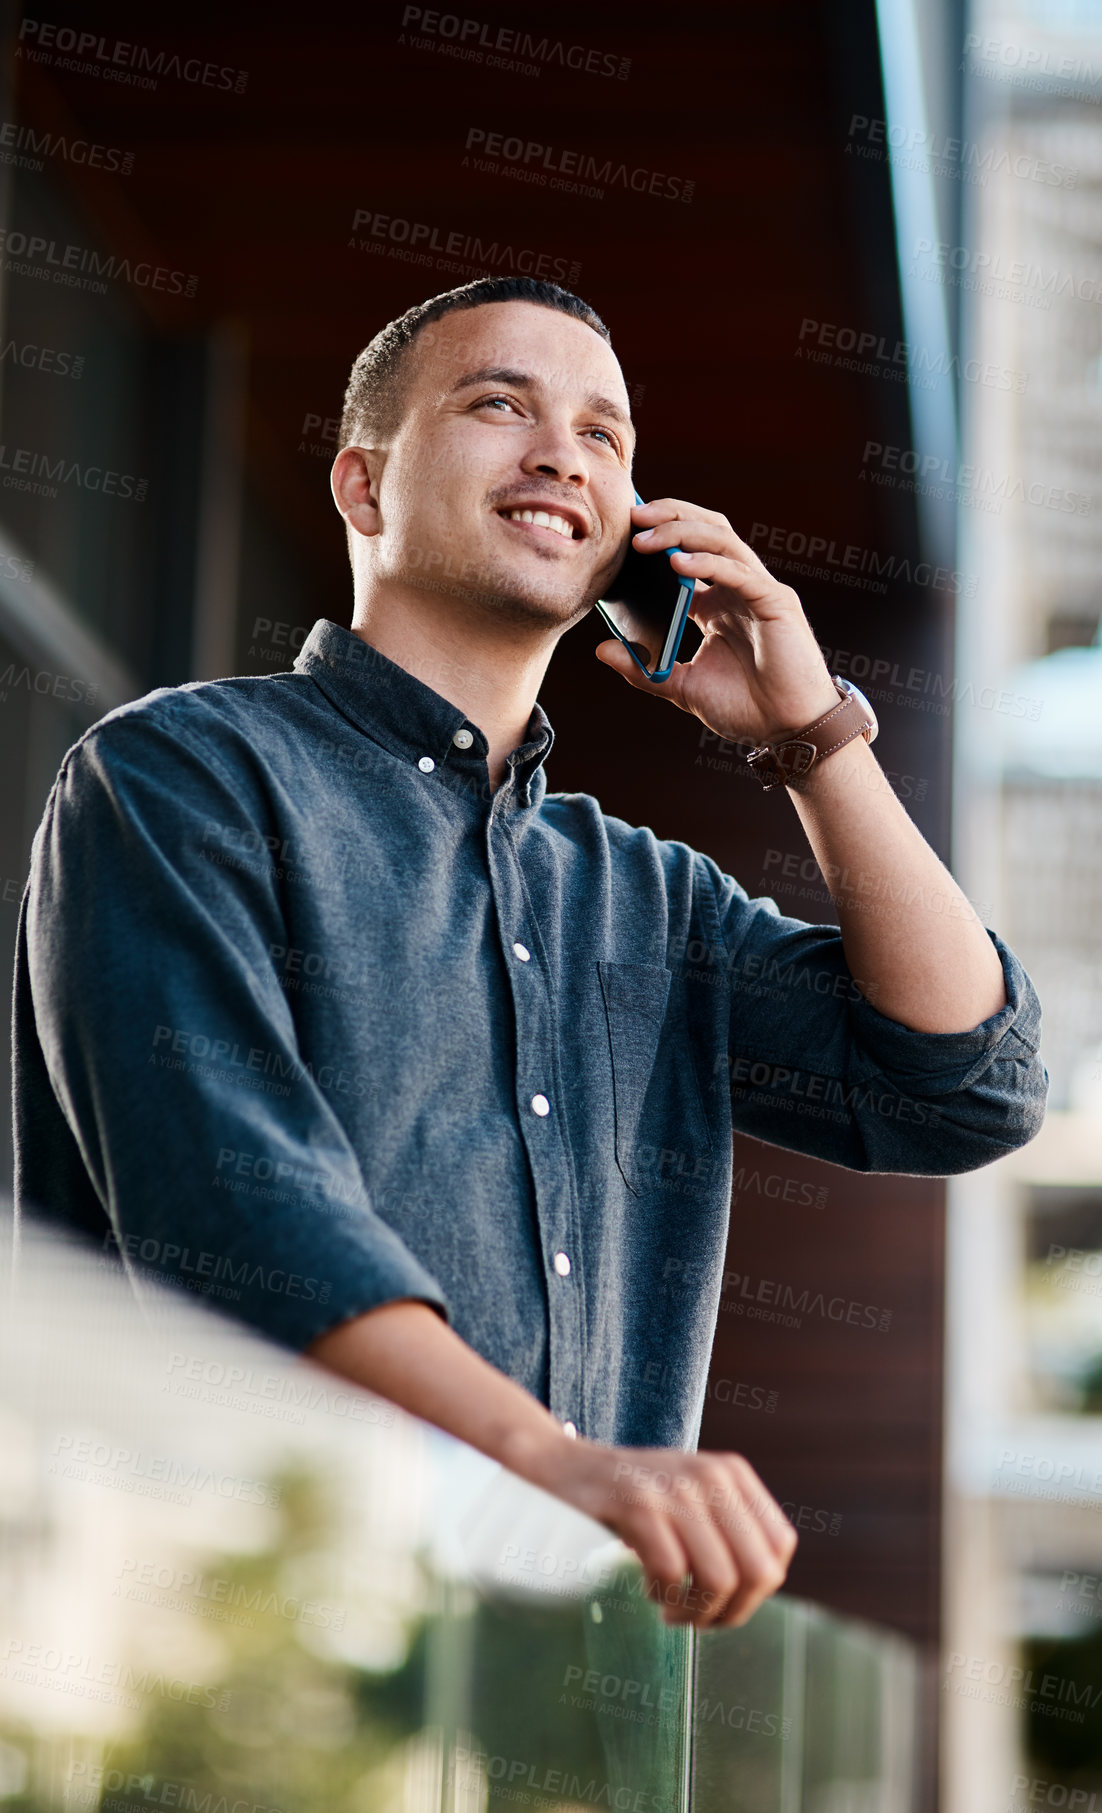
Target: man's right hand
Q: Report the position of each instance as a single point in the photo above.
(713, 1541)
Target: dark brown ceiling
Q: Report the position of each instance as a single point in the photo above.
(256, 193)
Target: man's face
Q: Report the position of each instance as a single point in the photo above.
(512, 409)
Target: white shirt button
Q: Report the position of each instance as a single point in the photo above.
(521, 951)
(570, 1429)
(540, 1105)
(562, 1265)
(463, 739)
(426, 764)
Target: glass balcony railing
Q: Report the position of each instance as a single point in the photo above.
(231, 1584)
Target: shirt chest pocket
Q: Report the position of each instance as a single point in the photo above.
(652, 1069)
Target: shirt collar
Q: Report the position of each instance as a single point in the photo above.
(410, 719)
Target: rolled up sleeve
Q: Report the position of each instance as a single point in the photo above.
(814, 1067)
(219, 1161)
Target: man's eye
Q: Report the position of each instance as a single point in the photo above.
(486, 402)
(609, 441)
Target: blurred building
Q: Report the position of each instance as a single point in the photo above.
(1023, 1639)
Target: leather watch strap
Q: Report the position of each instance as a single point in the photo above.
(779, 763)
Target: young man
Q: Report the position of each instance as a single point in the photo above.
(326, 1006)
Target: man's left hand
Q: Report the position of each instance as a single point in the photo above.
(759, 672)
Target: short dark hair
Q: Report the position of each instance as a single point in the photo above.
(375, 397)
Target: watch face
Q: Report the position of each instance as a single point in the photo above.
(856, 693)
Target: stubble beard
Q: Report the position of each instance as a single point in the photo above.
(501, 596)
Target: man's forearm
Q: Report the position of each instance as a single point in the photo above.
(712, 1540)
(912, 941)
(408, 1354)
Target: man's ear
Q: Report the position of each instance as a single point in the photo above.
(354, 481)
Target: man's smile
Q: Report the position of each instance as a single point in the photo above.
(545, 520)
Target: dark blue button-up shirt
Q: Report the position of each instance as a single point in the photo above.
(308, 1019)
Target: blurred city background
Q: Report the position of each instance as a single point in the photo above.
(861, 314)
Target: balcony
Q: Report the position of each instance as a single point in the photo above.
(229, 1582)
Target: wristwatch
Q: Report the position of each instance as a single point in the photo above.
(779, 763)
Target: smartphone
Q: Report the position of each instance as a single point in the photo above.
(647, 606)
